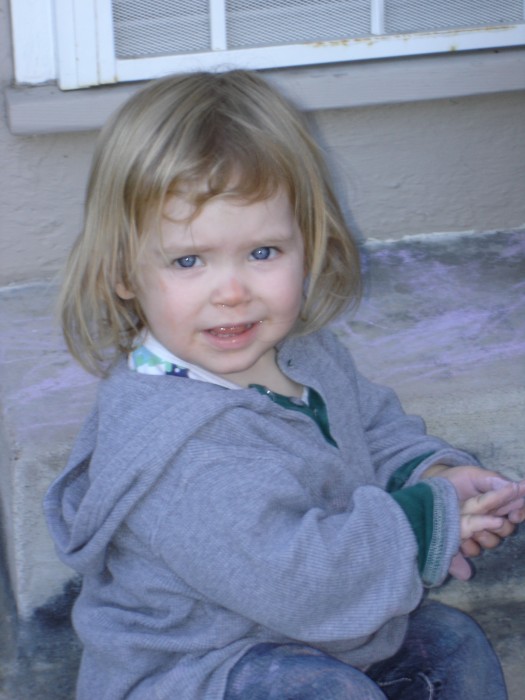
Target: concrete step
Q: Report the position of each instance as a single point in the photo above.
(442, 321)
(43, 399)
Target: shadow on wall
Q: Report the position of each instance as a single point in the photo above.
(39, 656)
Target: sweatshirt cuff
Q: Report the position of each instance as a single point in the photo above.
(449, 457)
(432, 510)
(400, 477)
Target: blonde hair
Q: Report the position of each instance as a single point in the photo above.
(207, 135)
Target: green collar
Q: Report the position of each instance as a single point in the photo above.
(315, 408)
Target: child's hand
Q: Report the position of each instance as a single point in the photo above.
(471, 481)
(515, 514)
(484, 522)
(515, 508)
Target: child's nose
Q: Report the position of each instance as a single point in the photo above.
(231, 291)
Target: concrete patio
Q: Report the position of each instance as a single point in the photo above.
(442, 321)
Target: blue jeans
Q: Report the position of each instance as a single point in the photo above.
(445, 656)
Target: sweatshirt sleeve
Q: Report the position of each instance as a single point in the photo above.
(272, 558)
(401, 450)
(399, 445)
(424, 505)
(239, 524)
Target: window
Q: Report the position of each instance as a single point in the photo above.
(81, 43)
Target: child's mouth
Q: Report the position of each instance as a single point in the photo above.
(230, 331)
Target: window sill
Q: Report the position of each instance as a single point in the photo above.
(46, 109)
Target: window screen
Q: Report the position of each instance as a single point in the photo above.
(427, 15)
(160, 27)
(163, 27)
(253, 23)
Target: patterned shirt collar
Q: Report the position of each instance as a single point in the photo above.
(150, 357)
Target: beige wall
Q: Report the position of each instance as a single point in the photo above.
(448, 165)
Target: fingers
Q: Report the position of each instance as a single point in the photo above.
(471, 524)
(487, 539)
(470, 548)
(516, 502)
(516, 508)
(496, 501)
(517, 516)
(471, 481)
(478, 513)
(460, 568)
(486, 518)
(494, 481)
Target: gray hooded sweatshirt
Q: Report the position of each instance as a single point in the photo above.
(205, 520)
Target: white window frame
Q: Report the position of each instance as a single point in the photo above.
(71, 42)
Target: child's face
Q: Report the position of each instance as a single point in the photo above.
(222, 290)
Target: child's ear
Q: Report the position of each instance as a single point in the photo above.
(123, 292)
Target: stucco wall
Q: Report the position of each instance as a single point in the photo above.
(449, 165)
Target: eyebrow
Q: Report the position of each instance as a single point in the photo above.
(180, 251)
(260, 240)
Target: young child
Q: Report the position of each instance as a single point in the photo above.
(251, 517)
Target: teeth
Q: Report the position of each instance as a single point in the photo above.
(231, 331)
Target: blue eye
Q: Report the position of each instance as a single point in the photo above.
(186, 261)
(263, 253)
